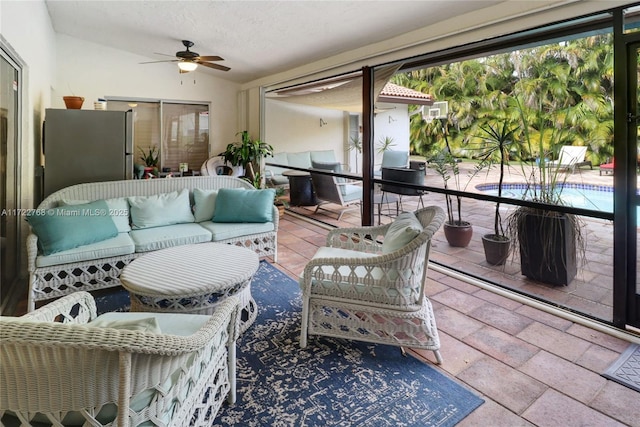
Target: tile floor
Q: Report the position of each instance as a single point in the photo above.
(531, 367)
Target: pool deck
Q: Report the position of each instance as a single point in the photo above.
(591, 292)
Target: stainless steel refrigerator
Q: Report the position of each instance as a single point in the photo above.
(86, 146)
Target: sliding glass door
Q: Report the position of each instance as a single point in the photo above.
(9, 213)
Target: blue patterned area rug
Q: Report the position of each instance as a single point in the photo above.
(332, 382)
(112, 299)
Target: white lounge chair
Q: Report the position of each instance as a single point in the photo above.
(570, 157)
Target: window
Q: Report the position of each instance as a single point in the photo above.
(180, 131)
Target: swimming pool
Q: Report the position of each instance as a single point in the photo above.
(585, 196)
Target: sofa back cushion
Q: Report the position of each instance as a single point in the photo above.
(160, 209)
(324, 156)
(300, 160)
(279, 158)
(235, 205)
(68, 227)
(204, 204)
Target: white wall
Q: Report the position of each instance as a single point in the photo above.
(392, 121)
(95, 71)
(294, 127)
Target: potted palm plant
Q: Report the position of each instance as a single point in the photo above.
(150, 159)
(550, 242)
(248, 153)
(457, 231)
(496, 142)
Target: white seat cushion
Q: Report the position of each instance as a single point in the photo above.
(169, 323)
(153, 239)
(222, 231)
(122, 244)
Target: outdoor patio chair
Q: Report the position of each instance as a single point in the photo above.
(328, 189)
(358, 288)
(406, 175)
(63, 366)
(570, 157)
(607, 168)
(217, 166)
(393, 159)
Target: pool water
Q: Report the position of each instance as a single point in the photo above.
(585, 196)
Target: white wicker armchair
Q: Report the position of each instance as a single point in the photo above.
(350, 289)
(59, 371)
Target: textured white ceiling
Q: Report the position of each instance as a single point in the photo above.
(256, 38)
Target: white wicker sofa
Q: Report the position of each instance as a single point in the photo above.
(98, 265)
(62, 366)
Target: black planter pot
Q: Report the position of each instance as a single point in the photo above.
(547, 248)
(458, 234)
(496, 248)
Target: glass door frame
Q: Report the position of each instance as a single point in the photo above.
(626, 305)
(9, 292)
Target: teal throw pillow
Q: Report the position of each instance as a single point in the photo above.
(118, 209)
(160, 209)
(67, 227)
(204, 204)
(402, 230)
(237, 205)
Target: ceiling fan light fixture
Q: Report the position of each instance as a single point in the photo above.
(187, 66)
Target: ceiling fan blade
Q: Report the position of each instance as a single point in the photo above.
(210, 58)
(216, 66)
(154, 62)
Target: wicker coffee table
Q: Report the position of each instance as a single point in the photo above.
(192, 279)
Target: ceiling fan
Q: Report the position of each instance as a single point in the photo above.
(188, 60)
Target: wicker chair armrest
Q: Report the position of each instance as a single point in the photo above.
(121, 340)
(78, 307)
(364, 239)
(32, 251)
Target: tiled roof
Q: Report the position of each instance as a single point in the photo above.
(396, 93)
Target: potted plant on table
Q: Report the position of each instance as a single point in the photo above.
(150, 159)
(550, 242)
(457, 231)
(248, 153)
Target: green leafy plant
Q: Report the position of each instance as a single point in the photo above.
(281, 198)
(385, 144)
(544, 184)
(447, 166)
(496, 141)
(248, 153)
(150, 158)
(355, 144)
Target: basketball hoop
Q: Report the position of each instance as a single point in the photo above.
(438, 110)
